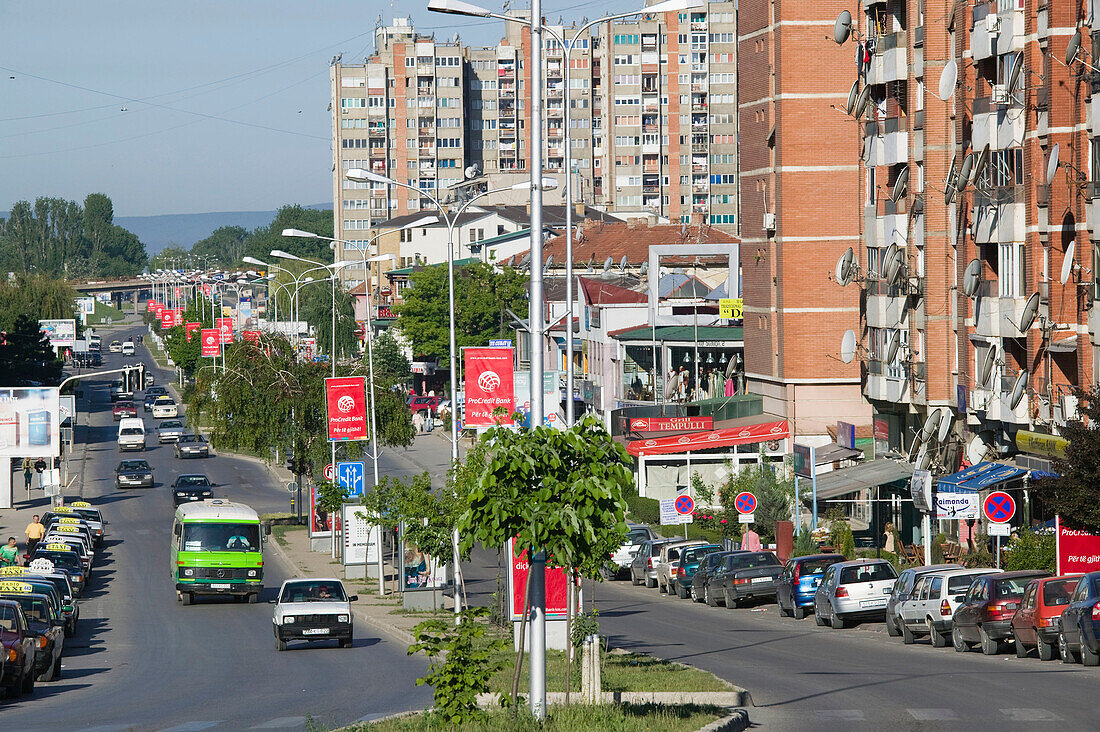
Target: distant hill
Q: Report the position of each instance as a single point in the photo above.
(157, 232)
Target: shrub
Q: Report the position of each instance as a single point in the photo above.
(644, 510)
(1030, 550)
(937, 549)
(803, 544)
(977, 559)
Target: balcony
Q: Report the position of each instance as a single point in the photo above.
(995, 316)
(993, 405)
(697, 167)
(699, 188)
(699, 86)
(651, 168)
(376, 131)
(890, 61)
(885, 305)
(697, 147)
(999, 216)
(884, 223)
(699, 207)
(887, 141)
(999, 125)
(995, 32)
(425, 69)
(651, 189)
(885, 383)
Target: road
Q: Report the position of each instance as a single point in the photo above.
(143, 661)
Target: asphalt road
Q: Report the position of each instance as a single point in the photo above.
(143, 661)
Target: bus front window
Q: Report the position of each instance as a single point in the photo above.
(221, 537)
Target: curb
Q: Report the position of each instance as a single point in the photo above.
(735, 722)
(738, 697)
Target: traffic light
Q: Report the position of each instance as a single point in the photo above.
(292, 465)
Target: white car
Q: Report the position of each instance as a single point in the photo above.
(312, 610)
(115, 347)
(165, 407)
(857, 589)
(621, 559)
(931, 605)
(128, 348)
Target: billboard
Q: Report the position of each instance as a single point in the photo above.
(211, 345)
(1077, 551)
(346, 402)
(955, 506)
(556, 584)
(225, 329)
(30, 422)
(168, 319)
(361, 539)
(489, 384)
(62, 333)
(189, 328)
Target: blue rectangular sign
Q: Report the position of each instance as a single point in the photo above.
(352, 476)
(500, 343)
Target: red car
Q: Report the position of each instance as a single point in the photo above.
(985, 615)
(429, 404)
(1035, 624)
(124, 409)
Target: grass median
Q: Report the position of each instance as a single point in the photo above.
(595, 718)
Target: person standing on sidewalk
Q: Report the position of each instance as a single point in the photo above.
(39, 467)
(750, 540)
(35, 532)
(9, 553)
(28, 471)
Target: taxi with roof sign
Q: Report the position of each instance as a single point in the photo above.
(44, 620)
(93, 517)
(62, 556)
(76, 544)
(58, 582)
(73, 526)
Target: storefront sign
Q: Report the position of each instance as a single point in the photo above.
(489, 384)
(1077, 551)
(424, 368)
(671, 424)
(953, 506)
(728, 437)
(1037, 443)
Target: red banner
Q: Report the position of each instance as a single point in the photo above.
(225, 329)
(671, 424)
(189, 328)
(210, 342)
(1077, 551)
(177, 293)
(150, 305)
(206, 290)
(556, 583)
(488, 384)
(706, 440)
(252, 336)
(168, 319)
(346, 399)
(158, 310)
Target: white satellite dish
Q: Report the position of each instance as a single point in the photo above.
(607, 265)
(842, 28)
(1018, 390)
(978, 450)
(1017, 69)
(861, 102)
(1052, 163)
(891, 250)
(964, 172)
(1067, 262)
(853, 94)
(548, 264)
(952, 172)
(731, 366)
(895, 266)
(673, 383)
(845, 268)
(948, 77)
(644, 268)
(980, 165)
(848, 346)
(946, 420)
(972, 278)
(893, 344)
(622, 264)
(924, 459)
(985, 364)
(931, 424)
(1072, 48)
(900, 185)
(1031, 310)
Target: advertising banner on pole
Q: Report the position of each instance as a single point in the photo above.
(320, 522)
(190, 328)
(62, 333)
(158, 310)
(210, 342)
(225, 329)
(168, 319)
(150, 306)
(346, 400)
(489, 384)
(361, 539)
(30, 422)
(556, 583)
(252, 336)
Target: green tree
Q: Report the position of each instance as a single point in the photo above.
(225, 246)
(99, 215)
(315, 307)
(36, 295)
(1074, 496)
(773, 492)
(26, 356)
(262, 240)
(169, 257)
(391, 366)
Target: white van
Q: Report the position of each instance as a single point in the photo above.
(131, 434)
(128, 348)
(95, 343)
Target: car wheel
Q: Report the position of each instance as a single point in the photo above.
(799, 613)
(939, 640)
(891, 627)
(708, 598)
(28, 683)
(650, 583)
(56, 675)
(907, 636)
(837, 622)
(280, 645)
(681, 592)
(990, 647)
(253, 598)
(1046, 650)
(731, 602)
(1088, 658)
(957, 641)
(819, 618)
(1021, 649)
(188, 598)
(695, 595)
(634, 580)
(660, 587)
(1063, 649)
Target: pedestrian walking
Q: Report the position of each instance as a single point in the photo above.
(35, 531)
(28, 471)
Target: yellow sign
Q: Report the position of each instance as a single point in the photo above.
(731, 307)
(69, 520)
(67, 529)
(9, 586)
(227, 311)
(12, 571)
(62, 509)
(81, 504)
(1037, 443)
(58, 548)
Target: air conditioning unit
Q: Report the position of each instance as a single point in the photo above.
(1000, 94)
(769, 221)
(993, 24)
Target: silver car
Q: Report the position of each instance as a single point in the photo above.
(851, 590)
(932, 604)
(902, 591)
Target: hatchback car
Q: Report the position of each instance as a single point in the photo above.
(164, 407)
(903, 589)
(621, 559)
(853, 590)
(668, 559)
(932, 603)
(1080, 622)
(642, 569)
(170, 430)
(690, 559)
(124, 409)
(985, 614)
(133, 474)
(1036, 623)
(192, 487)
(745, 576)
(795, 592)
(188, 446)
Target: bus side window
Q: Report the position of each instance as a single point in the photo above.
(176, 532)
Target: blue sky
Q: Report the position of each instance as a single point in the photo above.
(225, 102)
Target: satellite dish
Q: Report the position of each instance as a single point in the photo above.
(978, 449)
(924, 459)
(1067, 262)
(526, 261)
(893, 345)
(949, 192)
(644, 269)
(1052, 163)
(673, 383)
(952, 173)
(731, 366)
(1017, 69)
(948, 77)
(842, 28)
(894, 267)
(946, 419)
(578, 236)
(1031, 309)
(1071, 50)
(1018, 390)
(964, 172)
(972, 277)
(845, 268)
(980, 165)
(900, 185)
(622, 264)
(607, 265)
(472, 171)
(985, 366)
(931, 424)
(888, 255)
(848, 346)
(592, 264)
(861, 102)
(549, 263)
(853, 94)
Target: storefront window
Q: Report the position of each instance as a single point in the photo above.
(638, 373)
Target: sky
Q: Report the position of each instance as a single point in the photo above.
(194, 105)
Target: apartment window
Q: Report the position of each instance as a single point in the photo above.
(1011, 269)
(353, 103)
(1006, 168)
(476, 235)
(410, 62)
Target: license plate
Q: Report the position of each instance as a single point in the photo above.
(761, 579)
(872, 603)
(221, 586)
(315, 631)
(887, 591)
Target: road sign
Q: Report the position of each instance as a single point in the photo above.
(350, 475)
(1000, 530)
(685, 504)
(291, 486)
(745, 502)
(329, 472)
(500, 343)
(746, 518)
(669, 516)
(999, 507)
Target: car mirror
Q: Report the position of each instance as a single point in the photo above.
(960, 598)
(353, 598)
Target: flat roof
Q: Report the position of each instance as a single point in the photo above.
(681, 333)
(216, 509)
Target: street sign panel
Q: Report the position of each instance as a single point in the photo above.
(685, 504)
(803, 461)
(291, 486)
(1000, 530)
(669, 516)
(350, 475)
(746, 518)
(999, 507)
(328, 473)
(745, 502)
(731, 308)
(500, 343)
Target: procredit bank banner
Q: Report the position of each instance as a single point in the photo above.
(1077, 551)
(488, 384)
(346, 398)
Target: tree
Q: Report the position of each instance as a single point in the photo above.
(225, 246)
(265, 238)
(99, 215)
(39, 296)
(1074, 496)
(391, 366)
(26, 358)
(773, 492)
(168, 257)
(315, 306)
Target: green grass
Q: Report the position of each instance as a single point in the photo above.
(596, 718)
(102, 312)
(279, 532)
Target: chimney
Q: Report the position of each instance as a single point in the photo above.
(578, 209)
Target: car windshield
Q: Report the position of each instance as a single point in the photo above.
(69, 560)
(221, 537)
(34, 608)
(313, 592)
(190, 481)
(815, 566)
(192, 438)
(960, 584)
(124, 405)
(867, 573)
(696, 554)
(90, 514)
(7, 618)
(1057, 592)
(751, 561)
(171, 425)
(133, 465)
(130, 431)
(1008, 588)
(637, 536)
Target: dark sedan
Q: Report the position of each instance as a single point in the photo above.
(151, 395)
(746, 576)
(985, 615)
(700, 581)
(194, 487)
(1080, 623)
(192, 446)
(133, 474)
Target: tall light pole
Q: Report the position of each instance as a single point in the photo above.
(260, 263)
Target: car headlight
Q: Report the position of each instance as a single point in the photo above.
(188, 573)
(342, 618)
(80, 578)
(251, 573)
(180, 493)
(288, 619)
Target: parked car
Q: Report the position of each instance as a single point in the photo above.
(1036, 623)
(115, 347)
(621, 559)
(745, 576)
(853, 590)
(427, 404)
(795, 592)
(985, 615)
(903, 590)
(932, 603)
(700, 580)
(687, 566)
(669, 559)
(19, 645)
(642, 569)
(1080, 623)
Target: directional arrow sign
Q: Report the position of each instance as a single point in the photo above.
(745, 502)
(350, 475)
(999, 507)
(685, 504)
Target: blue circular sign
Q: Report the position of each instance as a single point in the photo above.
(745, 502)
(685, 504)
(999, 507)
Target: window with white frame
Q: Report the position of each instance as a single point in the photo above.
(1011, 269)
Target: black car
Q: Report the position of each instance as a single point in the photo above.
(1079, 629)
(45, 621)
(151, 395)
(133, 474)
(745, 576)
(707, 567)
(67, 561)
(193, 487)
(192, 446)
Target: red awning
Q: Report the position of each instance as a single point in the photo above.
(707, 440)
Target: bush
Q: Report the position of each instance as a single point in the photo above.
(977, 559)
(937, 548)
(803, 544)
(879, 554)
(644, 510)
(1030, 550)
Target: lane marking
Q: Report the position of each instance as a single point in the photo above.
(848, 715)
(192, 726)
(932, 715)
(1031, 715)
